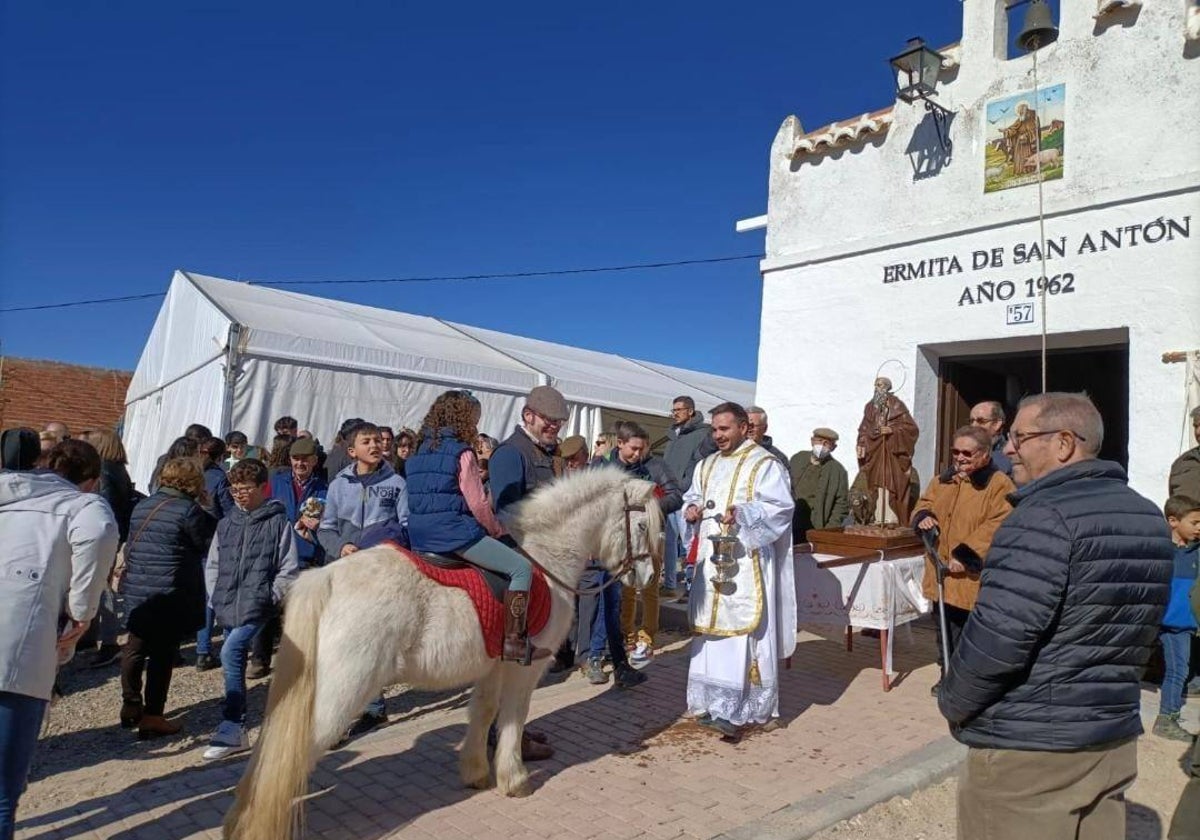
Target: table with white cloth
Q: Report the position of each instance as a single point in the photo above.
(880, 590)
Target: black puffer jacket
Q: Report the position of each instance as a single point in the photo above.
(116, 488)
(1071, 596)
(163, 583)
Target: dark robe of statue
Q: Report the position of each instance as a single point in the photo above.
(885, 460)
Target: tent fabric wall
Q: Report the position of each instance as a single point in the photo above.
(322, 397)
(322, 361)
(156, 419)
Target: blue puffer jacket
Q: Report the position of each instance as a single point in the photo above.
(438, 516)
(163, 582)
(1069, 606)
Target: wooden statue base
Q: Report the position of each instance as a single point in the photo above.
(856, 539)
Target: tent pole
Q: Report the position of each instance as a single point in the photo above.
(232, 371)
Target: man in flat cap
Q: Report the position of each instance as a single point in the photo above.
(526, 460)
(529, 457)
(820, 485)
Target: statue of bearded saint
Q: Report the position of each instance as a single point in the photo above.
(887, 436)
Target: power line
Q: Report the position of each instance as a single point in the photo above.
(81, 302)
(416, 279)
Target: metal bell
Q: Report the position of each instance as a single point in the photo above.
(1039, 29)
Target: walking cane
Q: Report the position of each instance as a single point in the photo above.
(930, 538)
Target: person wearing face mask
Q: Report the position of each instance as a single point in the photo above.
(966, 503)
(820, 485)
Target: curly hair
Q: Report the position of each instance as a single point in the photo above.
(184, 475)
(454, 410)
(281, 448)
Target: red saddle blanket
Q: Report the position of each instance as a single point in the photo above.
(490, 611)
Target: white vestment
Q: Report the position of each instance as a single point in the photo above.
(746, 627)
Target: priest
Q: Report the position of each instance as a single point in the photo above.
(746, 626)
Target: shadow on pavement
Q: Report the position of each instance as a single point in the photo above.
(371, 797)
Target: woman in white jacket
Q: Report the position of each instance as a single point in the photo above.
(57, 542)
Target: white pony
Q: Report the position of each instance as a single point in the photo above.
(372, 619)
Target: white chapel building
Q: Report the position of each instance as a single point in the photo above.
(892, 251)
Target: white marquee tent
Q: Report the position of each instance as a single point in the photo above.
(235, 356)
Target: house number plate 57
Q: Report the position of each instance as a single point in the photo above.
(1020, 313)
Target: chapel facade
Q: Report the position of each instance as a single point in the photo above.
(890, 251)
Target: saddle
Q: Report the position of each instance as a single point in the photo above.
(486, 590)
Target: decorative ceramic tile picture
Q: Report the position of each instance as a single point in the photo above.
(1020, 133)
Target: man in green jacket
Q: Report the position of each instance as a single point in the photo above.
(820, 486)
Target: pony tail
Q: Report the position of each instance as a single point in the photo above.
(263, 806)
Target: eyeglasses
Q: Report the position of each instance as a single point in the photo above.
(679, 409)
(983, 421)
(241, 489)
(1018, 438)
(548, 420)
(965, 453)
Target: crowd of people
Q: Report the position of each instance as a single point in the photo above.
(1057, 579)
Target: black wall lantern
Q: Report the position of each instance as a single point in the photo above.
(917, 70)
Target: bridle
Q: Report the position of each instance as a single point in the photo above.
(627, 562)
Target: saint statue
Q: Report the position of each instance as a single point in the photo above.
(887, 436)
(1021, 138)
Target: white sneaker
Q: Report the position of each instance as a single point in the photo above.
(229, 738)
(641, 653)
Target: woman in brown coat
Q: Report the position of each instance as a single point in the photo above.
(966, 503)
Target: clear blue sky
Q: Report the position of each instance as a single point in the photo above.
(380, 139)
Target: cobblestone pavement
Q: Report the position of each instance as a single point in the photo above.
(626, 766)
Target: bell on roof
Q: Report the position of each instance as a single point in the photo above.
(1039, 29)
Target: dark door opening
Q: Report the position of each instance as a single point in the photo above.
(1103, 372)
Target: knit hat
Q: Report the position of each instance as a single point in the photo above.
(828, 434)
(572, 446)
(548, 402)
(19, 449)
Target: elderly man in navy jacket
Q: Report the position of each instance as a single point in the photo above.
(1044, 684)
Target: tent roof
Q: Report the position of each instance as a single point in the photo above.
(302, 328)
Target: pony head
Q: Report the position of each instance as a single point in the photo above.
(616, 515)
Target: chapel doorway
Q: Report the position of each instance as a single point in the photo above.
(1102, 371)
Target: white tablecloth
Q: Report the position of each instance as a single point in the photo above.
(882, 595)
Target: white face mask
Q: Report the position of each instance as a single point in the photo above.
(819, 451)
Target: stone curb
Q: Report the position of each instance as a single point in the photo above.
(927, 766)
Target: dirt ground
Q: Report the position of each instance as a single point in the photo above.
(929, 814)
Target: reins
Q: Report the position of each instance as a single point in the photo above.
(626, 563)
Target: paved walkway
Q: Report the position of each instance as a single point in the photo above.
(626, 765)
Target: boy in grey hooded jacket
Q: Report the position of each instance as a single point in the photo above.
(367, 492)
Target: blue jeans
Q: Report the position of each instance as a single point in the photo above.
(606, 626)
(204, 634)
(20, 721)
(234, 654)
(670, 553)
(1177, 652)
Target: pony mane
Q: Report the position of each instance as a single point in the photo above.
(551, 504)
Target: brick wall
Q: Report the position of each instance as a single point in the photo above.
(34, 393)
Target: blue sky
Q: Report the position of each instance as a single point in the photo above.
(379, 139)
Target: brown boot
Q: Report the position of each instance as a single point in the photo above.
(534, 750)
(157, 726)
(516, 639)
